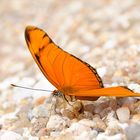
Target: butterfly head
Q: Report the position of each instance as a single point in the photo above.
(57, 93)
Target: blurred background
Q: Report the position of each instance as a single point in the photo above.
(106, 34)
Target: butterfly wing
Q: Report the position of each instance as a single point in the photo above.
(119, 91)
(65, 71)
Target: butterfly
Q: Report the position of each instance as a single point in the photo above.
(70, 75)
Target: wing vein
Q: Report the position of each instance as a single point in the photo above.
(53, 68)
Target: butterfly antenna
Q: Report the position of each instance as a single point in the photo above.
(13, 85)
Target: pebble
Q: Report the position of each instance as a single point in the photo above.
(137, 107)
(133, 131)
(123, 114)
(127, 102)
(102, 136)
(110, 117)
(57, 123)
(42, 132)
(89, 107)
(55, 133)
(113, 128)
(10, 135)
(39, 126)
(76, 128)
(105, 107)
(71, 110)
(86, 115)
(110, 44)
(86, 122)
(40, 111)
(65, 136)
(101, 126)
(33, 138)
(87, 135)
(135, 118)
(68, 113)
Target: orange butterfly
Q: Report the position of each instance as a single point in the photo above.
(70, 75)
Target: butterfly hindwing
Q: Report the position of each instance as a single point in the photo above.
(118, 91)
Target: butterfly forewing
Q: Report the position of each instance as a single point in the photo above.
(65, 71)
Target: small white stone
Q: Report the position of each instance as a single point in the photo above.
(110, 44)
(89, 123)
(102, 136)
(96, 123)
(55, 133)
(113, 128)
(40, 111)
(87, 135)
(132, 132)
(38, 126)
(77, 128)
(9, 135)
(111, 117)
(26, 135)
(33, 138)
(123, 114)
(57, 122)
(63, 136)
